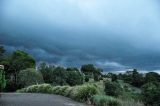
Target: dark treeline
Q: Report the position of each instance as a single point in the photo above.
(20, 71)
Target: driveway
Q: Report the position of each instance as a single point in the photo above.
(23, 99)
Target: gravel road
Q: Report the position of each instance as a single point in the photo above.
(19, 99)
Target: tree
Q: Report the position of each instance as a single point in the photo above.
(74, 78)
(151, 94)
(88, 69)
(137, 79)
(132, 77)
(114, 77)
(47, 72)
(20, 60)
(97, 74)
(29, 77)
(2, 79)
(112, 89)
(152, 77)
(92, 72)
(72, 69)
(59, 76)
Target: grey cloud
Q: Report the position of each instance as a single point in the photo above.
(106, 33)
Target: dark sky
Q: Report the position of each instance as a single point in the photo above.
(112, 34)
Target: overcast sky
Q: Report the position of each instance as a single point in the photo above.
(112, 34)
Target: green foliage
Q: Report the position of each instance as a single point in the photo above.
(20, 60)
(102, 100)
(87, 69)
(86, 78)
(80, 93)
(112, 89)
(68, 91)
(152, 77)
(92, 72)
(137, 79)
(2, 80)
(151, 93)
(47, 72)
(72, 69)
(74, 78)
(29, 77)
(97, 74)
(59, 76)
(14, 63)
(114, 77)
(85, 93)
(132, 77)
(43, 88)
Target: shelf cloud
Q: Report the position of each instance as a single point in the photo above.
(108, 33)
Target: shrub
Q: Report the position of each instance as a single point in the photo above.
(151, 94)
(43, 88)
(29, 77)
(85, 93)
(112, 89)
(102, 100)
(55, 89)
(68, 91)
(62, 90)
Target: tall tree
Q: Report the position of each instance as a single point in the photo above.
(47, 72)
(19, 60)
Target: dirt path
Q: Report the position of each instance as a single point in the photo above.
(17, 99)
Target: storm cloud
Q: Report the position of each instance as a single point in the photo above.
(112, 34)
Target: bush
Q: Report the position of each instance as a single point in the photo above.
(112, 89)
(68, 91)
(151, 94)
(43, 88)
(55, 90)
(29, 77)
(85, 92)
(102, 100)
(60, 90)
